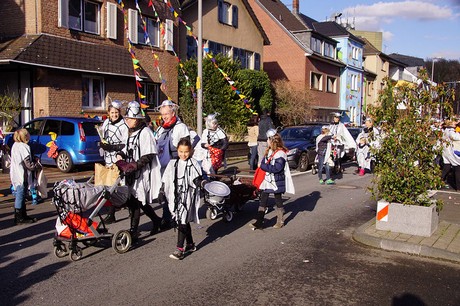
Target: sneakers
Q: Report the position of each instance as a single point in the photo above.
(178, 255)
(330, 182)
(321, 182)
(190, 248)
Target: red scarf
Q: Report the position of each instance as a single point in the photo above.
(170, 123)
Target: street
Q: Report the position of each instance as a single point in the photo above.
(311, 261)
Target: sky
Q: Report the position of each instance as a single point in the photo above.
(419, 28)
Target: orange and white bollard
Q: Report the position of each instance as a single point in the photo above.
(382, 211)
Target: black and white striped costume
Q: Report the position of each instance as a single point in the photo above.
(115, 133)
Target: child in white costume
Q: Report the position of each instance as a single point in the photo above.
(182, 180)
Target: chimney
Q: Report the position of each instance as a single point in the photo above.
(295, 6)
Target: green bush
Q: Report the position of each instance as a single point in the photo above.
(405, 166)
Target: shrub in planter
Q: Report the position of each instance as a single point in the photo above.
(405, 167)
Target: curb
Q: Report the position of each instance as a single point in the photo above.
(359, 235)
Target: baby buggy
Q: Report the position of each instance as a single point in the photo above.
(215, 197)
(220, 199)
(73, 202)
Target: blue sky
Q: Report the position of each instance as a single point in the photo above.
(419, 28)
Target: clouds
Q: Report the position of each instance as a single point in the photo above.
(386, 11)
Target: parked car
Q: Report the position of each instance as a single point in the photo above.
(77, 141)
(301, 142)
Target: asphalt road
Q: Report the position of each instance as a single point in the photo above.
(311, 261)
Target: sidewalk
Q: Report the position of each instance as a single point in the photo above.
(443, 244)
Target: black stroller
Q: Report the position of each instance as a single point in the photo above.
(72, 200)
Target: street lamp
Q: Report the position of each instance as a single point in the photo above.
(199, 81)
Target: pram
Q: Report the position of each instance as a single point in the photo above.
(226, 192)
(72, 200)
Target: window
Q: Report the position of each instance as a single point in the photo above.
(226, 50)
(355, 53)
(331, 84)
(328, 50)
(151, 37)
(354, 82)
(52, 126)
(80, 15)
(192, 49)
(256, 61)
(316, 81)
(315, 45)
(67, 128)
(34, 127)
(151, 91)
(227, 13)
(93, 93)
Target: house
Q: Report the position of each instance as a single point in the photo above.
(300, 54)
(350, 51)
(230, 27)
(377, 66)
(71, 57)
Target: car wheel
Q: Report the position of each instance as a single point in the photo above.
(64, 162)
(303, 162)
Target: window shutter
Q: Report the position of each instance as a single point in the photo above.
(63, 14)
(111, 20)
(132, 25)
(169, 41)
(256, 61)
(220, 11)
(235, 16)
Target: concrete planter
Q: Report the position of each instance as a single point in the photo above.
(407, 219)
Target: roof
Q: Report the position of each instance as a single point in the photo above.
(307, 21)
(187, 3)
(333, 29)
(370, 49)
(410, 61)
(283, 15)
(67, 54)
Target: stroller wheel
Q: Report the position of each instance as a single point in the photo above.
(211, 214)
(60, 251)
(228, 216)
(314, 170)
(121, 241)
(76, 254)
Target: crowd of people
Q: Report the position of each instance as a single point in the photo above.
(169, 165)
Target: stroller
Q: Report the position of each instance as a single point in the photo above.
(215, 197)
(72, 200)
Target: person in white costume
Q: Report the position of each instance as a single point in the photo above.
(139, 162)
(372, 136)
(22, 166)
(182, 180)
(277, 179)
(115, 134)
(215, 142)
(343, 139)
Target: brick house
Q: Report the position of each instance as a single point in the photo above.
(67, 56)
(301, 55)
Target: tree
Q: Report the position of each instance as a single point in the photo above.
(10, 107)
(405, 168)
(293, 105)
(218, 94)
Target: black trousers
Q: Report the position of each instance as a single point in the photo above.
(264, 199)
(456, 169)
(135, 207)
(184, 235)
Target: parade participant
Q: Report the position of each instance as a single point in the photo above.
(363, 156)
(323, 150)
(253, 134)
(343, 139)
(265, 123)
(139, 162)
(277, 180)
(182, 180)
(372, 135)
(22, 166)
(449, 158)
(214, 140)
(168, 134)
(115, 134)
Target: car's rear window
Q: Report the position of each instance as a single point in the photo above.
(90, 128)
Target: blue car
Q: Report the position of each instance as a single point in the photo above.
(77, 141)
(301, 142)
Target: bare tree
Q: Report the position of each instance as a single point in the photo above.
(292, 104)
(10, 107)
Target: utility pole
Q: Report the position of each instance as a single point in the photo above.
(199, 80)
